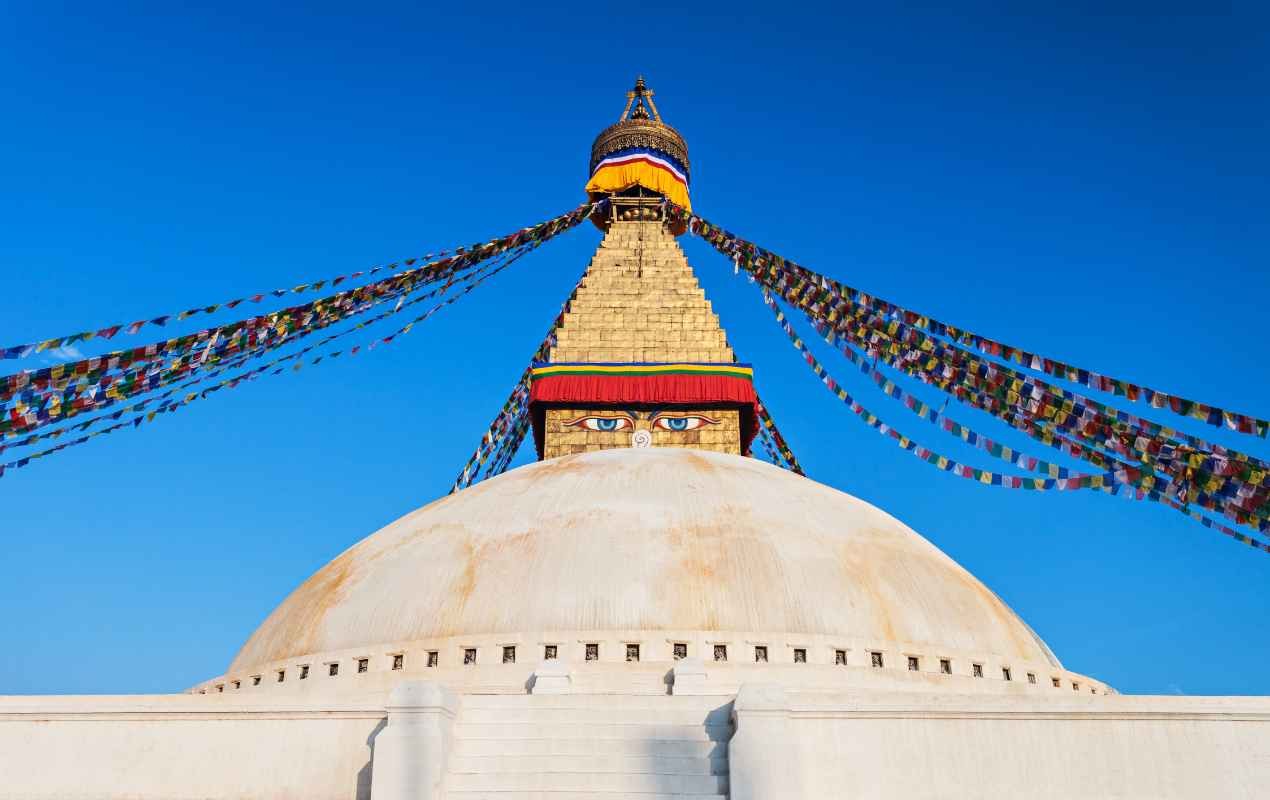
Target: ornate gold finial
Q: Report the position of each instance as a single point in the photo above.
(640, 125)
(641, 98)
(639, 152)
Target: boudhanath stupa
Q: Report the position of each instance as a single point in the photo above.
(646, 612)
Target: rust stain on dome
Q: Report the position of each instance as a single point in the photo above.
(654, 539)
(462, 589)
(301, 628)
(863, 573)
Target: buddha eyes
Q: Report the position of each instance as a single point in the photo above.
(606, 424)
(684, 423)
(677, 423)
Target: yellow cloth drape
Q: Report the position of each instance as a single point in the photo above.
(618, 177)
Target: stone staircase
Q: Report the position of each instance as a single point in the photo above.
(569, 747)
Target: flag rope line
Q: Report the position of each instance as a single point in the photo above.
(336, 308)
(1204, 466)
(1029, 425)
(257, 372)
(1212, 415)
(933, 350)
(1189, 472)
(798, 281)
(58, 375)
(1242, 500)
(60, 407)
(503, 419)
(987, 477)
(238, 361)
(766, 266)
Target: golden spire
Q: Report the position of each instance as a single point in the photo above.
(642, 98)
(640, 128)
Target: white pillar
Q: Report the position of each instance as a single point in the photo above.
(411, 752)
(689, 677)
(763, 756)
(552, 677)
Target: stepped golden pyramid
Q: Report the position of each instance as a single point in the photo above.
(640, 302)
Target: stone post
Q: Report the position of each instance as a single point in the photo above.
(552, 677)
(411, 752)
(689, 677)
(763, 756)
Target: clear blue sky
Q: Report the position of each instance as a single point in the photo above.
(1090, 183)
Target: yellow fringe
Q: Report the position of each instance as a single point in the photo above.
(619, 177)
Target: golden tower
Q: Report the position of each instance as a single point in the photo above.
(640, 359)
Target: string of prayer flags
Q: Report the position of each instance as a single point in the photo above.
(1077, 481)
(1124, 474)
(924, 411)
(88, 378)
(812, 298)
(782, 447)
(511, 445)
(511, 410)
(771, 439)
(1239, 501)
(271, 368)
(751, 257)
(157, 378)
(1243, 502)
(514, 409)
(768, 449)
(1026, 396)
(964, 367)
(1029, 395)
(295, 316)
(192, 351)
(110, 331)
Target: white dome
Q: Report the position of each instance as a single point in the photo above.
(646, 540)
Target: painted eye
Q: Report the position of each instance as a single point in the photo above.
(605, 424)
(685, 423)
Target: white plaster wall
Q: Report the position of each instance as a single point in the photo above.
(173, 747)
(869, 743)
(911, 746)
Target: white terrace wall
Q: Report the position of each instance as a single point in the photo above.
(856, 745)
(173, 747)
(874, 745)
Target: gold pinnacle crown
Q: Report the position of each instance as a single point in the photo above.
(640, 126)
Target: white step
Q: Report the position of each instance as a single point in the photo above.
(581, 781)
(586, 747)
(558, 730)
(548, 795)
(611, 701)
(629, 764)
(570, 747)
(598, 716)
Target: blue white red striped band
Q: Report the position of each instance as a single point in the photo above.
(654, 157)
